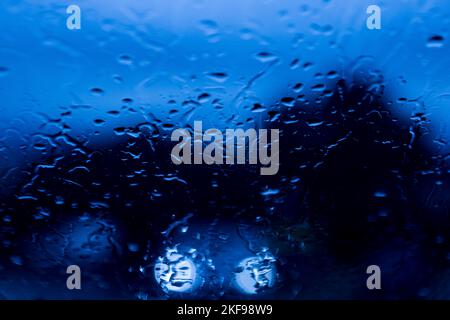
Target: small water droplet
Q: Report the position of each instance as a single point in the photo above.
(209, 27)
(332, 74)
(125, 59)
(204, 97)
(117, 78)
(97, 91)
(435, 41)
(218, 76)
(16, 260)
(113, 112)
(307, 66)
(298, 87)
(288, 101)
(3, 71)
(379, 194)
(323, 30)
(314, 122)
(133, 247)
(246, 34)
(120, 131)
(318, 87)
(257, 107)
(266, 56)
(99, 122)
(295, 64)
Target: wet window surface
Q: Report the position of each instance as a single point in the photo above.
(87, 177)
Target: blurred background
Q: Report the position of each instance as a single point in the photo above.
(86, 176)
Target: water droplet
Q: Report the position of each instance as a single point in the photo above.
(288, 101)
(307, 65)
(16, 260)
(97, 91)
(218, 76)
(380, 194)
(99, 122)
(257, 107)
(266, 56)
(332, 74)
(314, 122)
(125, 59)
(318, 87)
(203, 98)
(298, 87)
(118, 79)
(270, 192)
(3, 71)
(246, 34)
(209, 27)
(322, 30)
(133, 247)
(435, 41)
(295, 64)
(120, 131)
